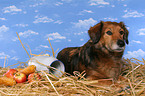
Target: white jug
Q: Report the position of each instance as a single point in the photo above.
(41, 63)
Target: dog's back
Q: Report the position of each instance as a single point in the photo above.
(66, 55)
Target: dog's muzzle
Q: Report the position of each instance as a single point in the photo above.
(118, 46)
(120, 43)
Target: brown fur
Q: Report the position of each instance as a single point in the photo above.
(101, 56)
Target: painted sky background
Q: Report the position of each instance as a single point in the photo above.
(66, 23)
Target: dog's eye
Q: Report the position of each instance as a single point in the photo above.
(121, 32)
(109, 32)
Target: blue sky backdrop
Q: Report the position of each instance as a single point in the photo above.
(66, 23)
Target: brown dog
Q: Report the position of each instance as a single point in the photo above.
(101, 56)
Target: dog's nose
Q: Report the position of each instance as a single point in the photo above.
(120, 43)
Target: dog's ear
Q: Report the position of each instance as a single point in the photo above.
(125, 37)
(95, 32)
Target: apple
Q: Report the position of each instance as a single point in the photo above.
(10, 73)
(33, 77)
(20, 77)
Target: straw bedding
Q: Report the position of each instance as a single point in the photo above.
(77, 85)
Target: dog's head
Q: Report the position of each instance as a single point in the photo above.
(110, 35)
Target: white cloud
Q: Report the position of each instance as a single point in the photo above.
(41, 46)
(3, 19)
(135, 54)
(68, 1)
(45, 19)
(3, 28)
(44, 46)
(112, 5)
(54, 36)
(132, 14)
(85, 11)
(28, 33)
(112, 19)
(80, 33)
(69, 40)
(128, 28)
(81, 39)
(124, 5)
(42, 19)
(36, 11)
(101, 6)
(125, 10)
(138, 42)
(25, 12)
(98, 2)
(11, 9)
(85, 23)
(36, 4)
(21, 25)
(58, 22)
(141, 31)
(3, 55)
(14, 58)
(58, 3)
(14, 39)
(13, 51)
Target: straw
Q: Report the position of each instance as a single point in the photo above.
(49, 85)
(51, 48)
(50, 82)
(23, 45)
(5, 62)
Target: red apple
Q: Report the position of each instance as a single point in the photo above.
(20, 77)
(10, 73)
(33, 77)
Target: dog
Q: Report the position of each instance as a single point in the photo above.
(101, 56)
